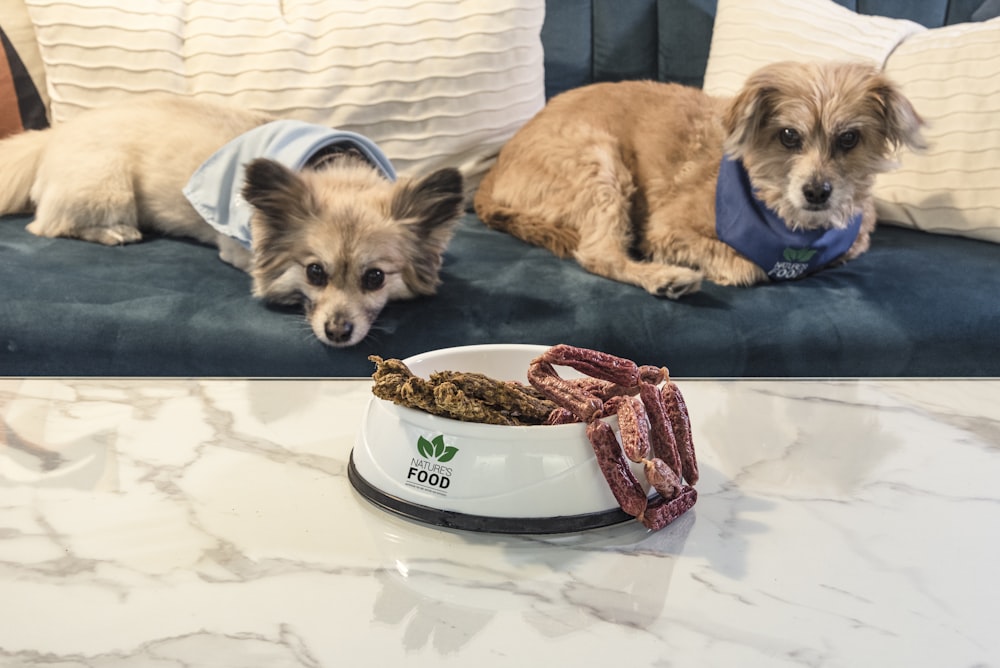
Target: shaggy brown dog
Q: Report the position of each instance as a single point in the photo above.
(622, 176)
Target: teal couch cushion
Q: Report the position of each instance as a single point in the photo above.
(914, 305)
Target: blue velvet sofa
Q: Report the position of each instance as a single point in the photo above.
(916, 304)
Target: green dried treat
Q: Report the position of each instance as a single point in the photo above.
(460, 406)
(470, 397)
(521, 402)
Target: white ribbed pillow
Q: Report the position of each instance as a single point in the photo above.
(749, 34)
(433, 82)
(951, 74)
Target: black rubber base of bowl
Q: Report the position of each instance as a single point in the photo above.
(485, 524)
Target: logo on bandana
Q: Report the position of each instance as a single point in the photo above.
(795, 263)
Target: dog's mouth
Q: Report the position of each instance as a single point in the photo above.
(816, 208)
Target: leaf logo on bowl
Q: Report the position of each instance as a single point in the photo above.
(436, 449)
(427, 472)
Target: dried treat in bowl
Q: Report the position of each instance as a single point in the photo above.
(470, 397)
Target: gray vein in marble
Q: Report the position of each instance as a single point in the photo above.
(193, 650)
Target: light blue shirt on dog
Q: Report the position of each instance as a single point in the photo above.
(215, 189)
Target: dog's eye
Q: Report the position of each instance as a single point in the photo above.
(373, 279)
(790, 138)
(848, 140)
(316, 275)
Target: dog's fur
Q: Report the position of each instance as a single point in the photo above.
(622, 176)
(337, 238)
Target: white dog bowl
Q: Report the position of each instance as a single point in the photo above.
(481, 477)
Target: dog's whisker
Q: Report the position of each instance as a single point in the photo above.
(305, 330)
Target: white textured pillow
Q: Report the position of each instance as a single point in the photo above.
(433, 83)
(749, 34)
(951, 74)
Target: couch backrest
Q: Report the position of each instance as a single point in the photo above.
(668, 40)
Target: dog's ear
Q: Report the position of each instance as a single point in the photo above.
(430, 202)
(277, 192)
(429, 207)
(746, 116)
(901, 122)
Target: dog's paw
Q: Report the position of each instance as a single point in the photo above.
(39, 230)
(112, 235)
(741, 275)
(232, 252)
(51, 227)
(674, 282)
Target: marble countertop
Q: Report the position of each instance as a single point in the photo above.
(190, 523)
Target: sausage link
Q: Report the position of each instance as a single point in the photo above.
(662, 440)
(677, 413)
(659, 513)
(662, 478)
(617, 370)
(654, 375)
(611, 405)
(625, 488)
(602, 389)
(633, 423)
(544, 378)
(561, 416)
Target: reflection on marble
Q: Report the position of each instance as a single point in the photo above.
(197, 523)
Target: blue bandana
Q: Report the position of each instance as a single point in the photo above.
(746, 224)
(215, 189)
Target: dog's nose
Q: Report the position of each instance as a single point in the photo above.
(339, 332)
(817, 192)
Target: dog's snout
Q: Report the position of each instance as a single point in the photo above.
(339, 331)
(817, 192)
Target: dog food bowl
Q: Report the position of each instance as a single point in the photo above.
(481, 477)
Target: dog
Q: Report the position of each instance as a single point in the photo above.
(637, 180)
(330, 230)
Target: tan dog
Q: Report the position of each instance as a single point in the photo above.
(337, 236)
(622, 176)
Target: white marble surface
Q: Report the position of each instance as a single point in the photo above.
(177, 524)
